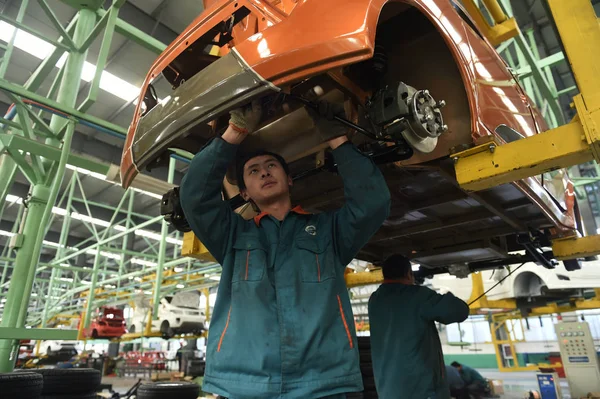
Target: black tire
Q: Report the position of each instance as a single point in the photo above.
(95, 334)
(89, 395)
(168, 389)
(132, 328)
(166, 330)
(69, 381)
(22, 385)
(48, 351)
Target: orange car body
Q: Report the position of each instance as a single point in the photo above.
(284, 43)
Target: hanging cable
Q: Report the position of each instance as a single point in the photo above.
(495, 285)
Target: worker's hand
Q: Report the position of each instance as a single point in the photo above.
(324, 120)
(245, 119)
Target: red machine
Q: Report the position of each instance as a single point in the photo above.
(108, 323)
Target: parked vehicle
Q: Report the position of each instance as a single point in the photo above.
(529, 282)
(51, 347)
(391, 63)
(107, 323)
(172, 319)
(154, 360)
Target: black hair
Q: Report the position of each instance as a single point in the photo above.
(396, 267)
(244, 158)
(455, 364)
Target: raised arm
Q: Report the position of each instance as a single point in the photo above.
(210, 217)
(445, 308)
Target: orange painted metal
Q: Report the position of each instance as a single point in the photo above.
(290, 40)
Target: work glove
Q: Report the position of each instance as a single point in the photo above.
(245, 119)
(323, 117)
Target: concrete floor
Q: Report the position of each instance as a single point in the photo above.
(515, 384)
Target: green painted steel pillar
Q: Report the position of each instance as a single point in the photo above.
(18, 282)
(42, 199)
(91, 295)
(162, 249)
(60, 251)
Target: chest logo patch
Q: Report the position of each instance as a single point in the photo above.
(310, 229)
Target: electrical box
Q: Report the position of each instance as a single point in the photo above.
(579, 358)
(549, 385)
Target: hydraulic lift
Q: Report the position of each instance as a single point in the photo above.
(493, 163)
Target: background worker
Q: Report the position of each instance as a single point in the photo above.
(456, 383)
(475, 383)
(407, 354)
(282, 322)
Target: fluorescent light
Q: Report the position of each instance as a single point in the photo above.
(142, 262)
(180, 286)
(138, 279)
(66, 279)
(103, 253)
(416, 267)
(51, 243)
(178, 269)
(109, 286)
(148, 292)
(14, 199)
(6, 233)
(89, 219)
(3, 300)
(148, 193)
(85, 282)
(215, 278)
(41, 49)
(83, 171)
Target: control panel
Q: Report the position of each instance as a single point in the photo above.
(579, 357)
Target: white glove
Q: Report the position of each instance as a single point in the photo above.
(245, 119)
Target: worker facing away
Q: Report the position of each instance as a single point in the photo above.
(456, 383)
(282, 322)
(475, 383)
(407, 354)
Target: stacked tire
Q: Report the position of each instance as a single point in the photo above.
(168, 390)
(69, 383)
(21, 385)
(366, 368)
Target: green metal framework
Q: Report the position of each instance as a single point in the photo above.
(41, 152)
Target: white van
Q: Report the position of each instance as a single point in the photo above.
(173, 318)
(529, 281)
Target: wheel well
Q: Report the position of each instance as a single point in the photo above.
(417, 54)
(528, 284)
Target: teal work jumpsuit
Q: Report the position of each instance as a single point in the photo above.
(282, 325)
(408, 362)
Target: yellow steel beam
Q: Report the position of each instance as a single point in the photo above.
(364, 278)
(579, 32)
(483, 302)
(504, 29)
(193, 248)
(489, 165)
(574, 247)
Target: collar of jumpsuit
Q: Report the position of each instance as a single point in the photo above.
(297, 209)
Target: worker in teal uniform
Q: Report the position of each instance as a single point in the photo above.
(475, 383)
(282, 325)
(407, 354)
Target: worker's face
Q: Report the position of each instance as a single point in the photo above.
(266, 180)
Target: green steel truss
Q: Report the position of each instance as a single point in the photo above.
(32, 292)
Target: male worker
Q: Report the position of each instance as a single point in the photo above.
(282, 323)
(407, 354)
(475, 383)
(456, 383)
